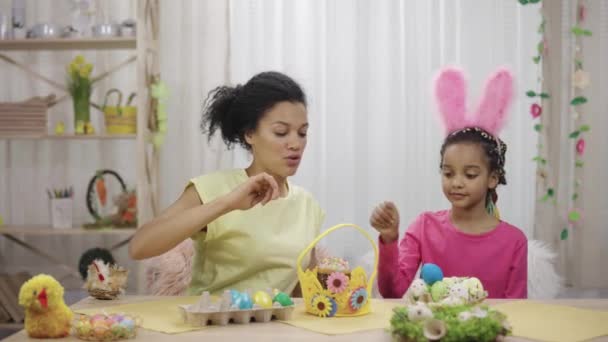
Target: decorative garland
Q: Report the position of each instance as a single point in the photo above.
(580, 81)
(536, 108)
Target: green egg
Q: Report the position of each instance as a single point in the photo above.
(283, 299)
(439, 291)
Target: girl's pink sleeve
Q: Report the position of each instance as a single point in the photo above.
(518, 278)
(399, 262)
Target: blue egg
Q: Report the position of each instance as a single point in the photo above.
(235, 294)
(245, 302)
(431, 274)
(127, 323)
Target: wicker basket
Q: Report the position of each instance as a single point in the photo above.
(351, 299)
(104, 294)
(120, 119)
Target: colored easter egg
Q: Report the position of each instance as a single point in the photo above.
(97, 317)
(118, 317)
(283, 299)
(235, 294)
(117, 331)
(83, 327)
(99, 331)
(263, 299)
(431, 273)
(127, 323)
(245, 302)
(439, 291)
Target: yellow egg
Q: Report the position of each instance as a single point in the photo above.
(83, 328)
(263, 299)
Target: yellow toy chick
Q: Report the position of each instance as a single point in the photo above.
(79, 129)
(46, 315)
(88, 128)
(60, 128)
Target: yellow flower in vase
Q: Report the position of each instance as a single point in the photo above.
(79, 86)
(86, 69)
(79, 59)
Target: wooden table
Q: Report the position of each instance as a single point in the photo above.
(275, 331)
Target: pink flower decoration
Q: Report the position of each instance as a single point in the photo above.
(337, 282)
(536, 110)
(545, 47)
(580, 146)
(582, 13)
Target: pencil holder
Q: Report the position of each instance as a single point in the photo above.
(61, 212)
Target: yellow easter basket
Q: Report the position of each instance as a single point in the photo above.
(349, 292)
(120, 119)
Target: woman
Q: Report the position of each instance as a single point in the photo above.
(248, 225)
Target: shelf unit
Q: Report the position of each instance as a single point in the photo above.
(69, 137)
(146, 56)
(146, 48)
(120, 43)
(48, 230)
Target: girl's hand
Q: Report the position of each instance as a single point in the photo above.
(385, 219)
(261, 188)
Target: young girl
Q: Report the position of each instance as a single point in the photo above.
(249, 224)
(469, 240)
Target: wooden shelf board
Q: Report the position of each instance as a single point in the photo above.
(48, 230)
(11, 326)
(116, 43)
(68, 137)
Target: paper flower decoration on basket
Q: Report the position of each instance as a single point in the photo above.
(332, 288)
(105, 281)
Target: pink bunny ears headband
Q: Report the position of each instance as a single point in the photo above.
(489, 117)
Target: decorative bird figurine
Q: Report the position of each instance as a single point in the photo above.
(46, 315)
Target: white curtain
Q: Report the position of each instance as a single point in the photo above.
(194, 54)
(593, 238)
(367, 68)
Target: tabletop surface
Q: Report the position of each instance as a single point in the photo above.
(275, 331)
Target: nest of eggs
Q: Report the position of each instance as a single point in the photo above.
(105, 282)
(101, 327)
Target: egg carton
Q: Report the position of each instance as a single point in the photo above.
(193, 316)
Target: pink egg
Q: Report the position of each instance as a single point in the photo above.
(97, 317)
